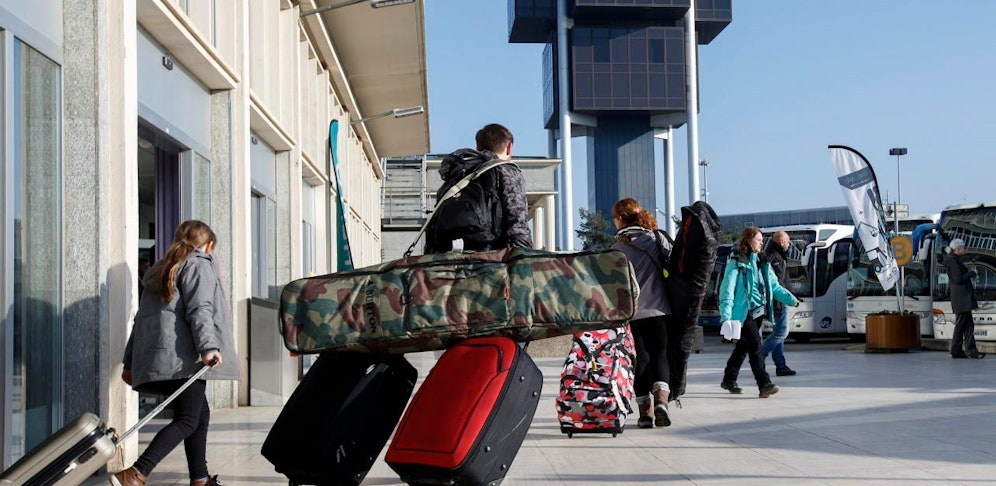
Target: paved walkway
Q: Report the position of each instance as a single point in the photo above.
(848, 418)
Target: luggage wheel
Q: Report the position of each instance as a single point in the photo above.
(615, 434)
(570, 435)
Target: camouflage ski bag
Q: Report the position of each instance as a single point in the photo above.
(430, 302)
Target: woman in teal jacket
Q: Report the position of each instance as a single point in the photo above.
(745, 297)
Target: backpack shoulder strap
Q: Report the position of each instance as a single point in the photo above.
(452, 191)
(652, 258)
(462, 183)
(661, 233)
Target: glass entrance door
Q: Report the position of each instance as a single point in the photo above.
(158, 193)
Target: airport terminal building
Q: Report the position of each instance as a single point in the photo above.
(832, 215)
(122, 119)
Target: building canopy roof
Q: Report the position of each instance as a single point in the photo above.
(382, 53)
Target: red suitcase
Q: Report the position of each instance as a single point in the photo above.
(470, 416)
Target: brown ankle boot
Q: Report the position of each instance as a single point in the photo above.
(128, 477)
(662, 418)
(208, 481)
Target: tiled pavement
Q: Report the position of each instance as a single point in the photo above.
(847, 418)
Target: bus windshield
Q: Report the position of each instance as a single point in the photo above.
(977, 227)
(800, 280)
(863, 282)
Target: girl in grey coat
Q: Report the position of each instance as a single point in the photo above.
(182, 324)
(637, 238)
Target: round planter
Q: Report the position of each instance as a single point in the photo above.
(892, 332)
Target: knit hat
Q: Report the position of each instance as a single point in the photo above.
(957, 243)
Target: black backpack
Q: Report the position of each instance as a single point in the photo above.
(690, 264)
(469, 209)
(473, 213)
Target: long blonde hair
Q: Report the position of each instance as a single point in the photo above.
(189, 236)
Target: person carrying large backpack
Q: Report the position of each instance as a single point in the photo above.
(491, 212)
(648, 250)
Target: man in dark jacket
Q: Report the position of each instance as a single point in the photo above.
(774, 344)
(506, 183)
(962, 302)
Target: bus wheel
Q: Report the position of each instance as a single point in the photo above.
(802, 337)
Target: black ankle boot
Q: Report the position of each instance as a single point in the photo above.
(731, 386)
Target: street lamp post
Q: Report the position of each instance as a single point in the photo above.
(705, 179)
(898, 152)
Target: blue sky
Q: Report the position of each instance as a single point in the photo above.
(783, 81)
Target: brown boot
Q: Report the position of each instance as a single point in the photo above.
(208, 481)
(128, 477)
(661, 416)
(645, 421)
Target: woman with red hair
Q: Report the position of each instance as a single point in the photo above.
(647, 250)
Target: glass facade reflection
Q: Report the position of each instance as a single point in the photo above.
(628, 69)
(531, 21)
(721, 10)
(36, 399)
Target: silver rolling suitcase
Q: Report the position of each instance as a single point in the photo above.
(76, 451)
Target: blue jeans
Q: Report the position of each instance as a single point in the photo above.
(774, 344)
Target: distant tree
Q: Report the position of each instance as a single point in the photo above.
(594, 230)
(728, 237)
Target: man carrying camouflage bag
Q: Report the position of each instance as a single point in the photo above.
(490, 212)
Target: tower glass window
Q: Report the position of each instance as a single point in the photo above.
(628, 69)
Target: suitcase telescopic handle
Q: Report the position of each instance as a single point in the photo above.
(151, 415)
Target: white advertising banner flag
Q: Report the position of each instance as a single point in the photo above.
(860, 188)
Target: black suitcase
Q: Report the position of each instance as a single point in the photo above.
(77, 450)
(470, 416)
(339, 417)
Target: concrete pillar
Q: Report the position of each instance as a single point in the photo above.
(230, 214)
(550, 222)
(539, 214)
(100, 140)
(621, 164)
(240, 197)
(287, 197)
